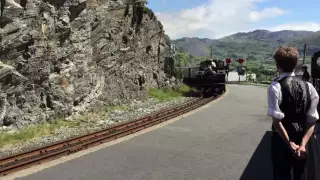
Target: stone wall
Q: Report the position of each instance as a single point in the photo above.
(62, 57)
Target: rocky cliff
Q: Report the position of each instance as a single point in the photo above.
(62, 57)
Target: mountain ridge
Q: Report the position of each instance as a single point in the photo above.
(258, 44)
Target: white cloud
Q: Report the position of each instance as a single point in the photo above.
(266, 13)
(217, 18)
(307, 26)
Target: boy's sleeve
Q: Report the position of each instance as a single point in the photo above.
(312, 113)
(273, 102)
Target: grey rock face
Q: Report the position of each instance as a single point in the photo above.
(60, 57)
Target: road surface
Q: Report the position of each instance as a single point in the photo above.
(226, 141)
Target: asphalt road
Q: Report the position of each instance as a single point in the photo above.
(226, 141)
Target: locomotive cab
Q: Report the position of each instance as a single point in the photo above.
(217, 65)
(209, 76)
(212, 83)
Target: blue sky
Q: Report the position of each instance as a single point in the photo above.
(218, 18)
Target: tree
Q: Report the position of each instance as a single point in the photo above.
(182, 59)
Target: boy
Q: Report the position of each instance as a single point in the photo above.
(292, 104)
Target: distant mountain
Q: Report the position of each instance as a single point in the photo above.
(258, 44)
(312, 41)
(195, 46)
(267, 35)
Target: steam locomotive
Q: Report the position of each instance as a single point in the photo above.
(209, 77)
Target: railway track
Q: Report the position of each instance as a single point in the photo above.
(34, 157)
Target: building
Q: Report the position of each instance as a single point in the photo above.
(234, 77)
(251, 77)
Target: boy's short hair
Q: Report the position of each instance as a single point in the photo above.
(286, 58)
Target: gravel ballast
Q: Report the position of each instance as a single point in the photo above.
(131, 111)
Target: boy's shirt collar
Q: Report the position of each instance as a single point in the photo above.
(283, 75)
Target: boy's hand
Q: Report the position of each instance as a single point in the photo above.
(294, 147)
(301, 152)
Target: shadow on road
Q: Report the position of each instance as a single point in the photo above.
(259, 166)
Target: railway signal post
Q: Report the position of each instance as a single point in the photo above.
(240, 67)
(228, 61)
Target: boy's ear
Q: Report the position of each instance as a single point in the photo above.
(278, 69)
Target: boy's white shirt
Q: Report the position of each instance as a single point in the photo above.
(275, 98)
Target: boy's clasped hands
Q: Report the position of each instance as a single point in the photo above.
(299, 151)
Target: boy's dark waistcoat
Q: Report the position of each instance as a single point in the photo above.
(295, 104)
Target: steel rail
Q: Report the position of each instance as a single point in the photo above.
(65, 147)
(119, 126)
(68, 142)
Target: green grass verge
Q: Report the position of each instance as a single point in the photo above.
(34, 131)
(49, 128)
(169, 93)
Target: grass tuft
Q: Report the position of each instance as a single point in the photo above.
(167, 94)
(49, 128)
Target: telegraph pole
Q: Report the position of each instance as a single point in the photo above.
(304, 53)
(211, 51)
(247, 67)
